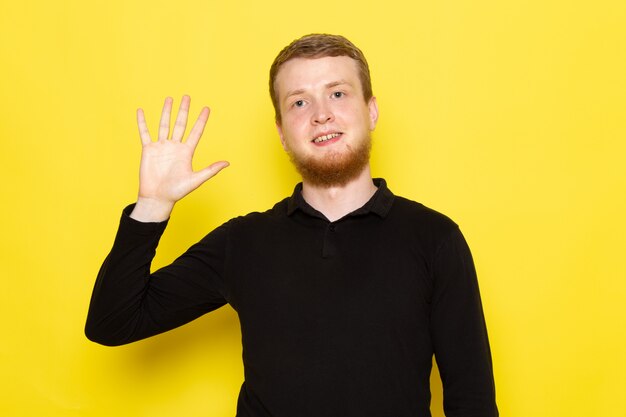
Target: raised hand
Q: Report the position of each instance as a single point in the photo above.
(166, 174)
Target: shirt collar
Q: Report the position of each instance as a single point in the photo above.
(380, 203)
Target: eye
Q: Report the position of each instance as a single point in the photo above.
(338, 94)
(298, 103)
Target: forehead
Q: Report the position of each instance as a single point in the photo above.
(309, 73)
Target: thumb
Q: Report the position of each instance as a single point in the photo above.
(203, 175)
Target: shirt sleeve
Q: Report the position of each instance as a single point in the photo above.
(129, 303)
(459, 333)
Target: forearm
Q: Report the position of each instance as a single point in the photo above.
(116, 310)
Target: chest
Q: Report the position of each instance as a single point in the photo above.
(330, 275)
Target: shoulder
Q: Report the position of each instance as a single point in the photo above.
(429, 231)
(420, 226)
(260, 219)
(418, 215)
(249, 226)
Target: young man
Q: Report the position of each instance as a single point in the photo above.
(343, 290)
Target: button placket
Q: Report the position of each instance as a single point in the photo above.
(329, 246)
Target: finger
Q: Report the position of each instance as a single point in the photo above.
(201, 176)
(181, 119)
(164, 124)
(198, 127)
(143, 128)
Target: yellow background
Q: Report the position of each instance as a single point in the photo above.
(509, 116)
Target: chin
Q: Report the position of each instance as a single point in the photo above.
(333, 169)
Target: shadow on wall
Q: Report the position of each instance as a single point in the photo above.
(209, 339)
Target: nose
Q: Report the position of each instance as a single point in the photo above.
(322, 114)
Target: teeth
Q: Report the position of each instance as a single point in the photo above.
(325, 137)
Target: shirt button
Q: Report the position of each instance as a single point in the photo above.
(331, 227)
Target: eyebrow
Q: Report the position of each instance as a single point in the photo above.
(328, 85)
(336, 83)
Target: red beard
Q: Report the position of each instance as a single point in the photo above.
(335, 169)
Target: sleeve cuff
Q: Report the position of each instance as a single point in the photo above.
(142, 228)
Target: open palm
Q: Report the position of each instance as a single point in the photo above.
(166, 174)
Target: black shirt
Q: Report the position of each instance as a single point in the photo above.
(338, 319)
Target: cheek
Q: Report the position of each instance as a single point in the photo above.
(294, 125)
(350, 111)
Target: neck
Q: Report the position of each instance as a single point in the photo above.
(336, 202)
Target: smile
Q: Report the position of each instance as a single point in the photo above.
(324, 138)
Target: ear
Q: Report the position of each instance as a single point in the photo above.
(373, 110)
(280, 134)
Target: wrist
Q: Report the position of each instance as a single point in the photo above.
(149, 210)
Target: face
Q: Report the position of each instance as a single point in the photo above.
(326, 123)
